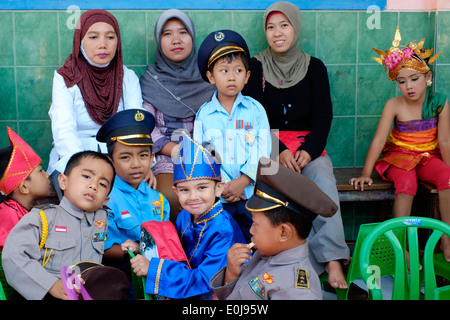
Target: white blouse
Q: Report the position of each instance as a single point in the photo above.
(73, 129)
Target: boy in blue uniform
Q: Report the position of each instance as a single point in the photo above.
(236, 126)
(205, 229)
(132, 201)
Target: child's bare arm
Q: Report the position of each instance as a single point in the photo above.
(377, 145)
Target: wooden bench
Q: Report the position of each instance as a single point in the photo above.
(382, 190)
(379, 191)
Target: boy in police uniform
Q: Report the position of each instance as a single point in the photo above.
(128, 138)
(61, 235)
(235, 125)
(283, 207)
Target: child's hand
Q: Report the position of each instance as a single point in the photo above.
(232, 192)
(130, 245)
(234, 189)
(140, 265)
(151, 179)
(58, 291)
(238, 254)
(360, 181)
(77, 289)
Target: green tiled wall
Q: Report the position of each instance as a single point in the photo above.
(33, 44)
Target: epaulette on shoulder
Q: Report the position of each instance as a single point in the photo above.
(48, 205)
(44, 207)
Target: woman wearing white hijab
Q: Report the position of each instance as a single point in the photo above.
(293, 88)
(173, 91)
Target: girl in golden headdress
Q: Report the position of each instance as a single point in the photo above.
(418, 145)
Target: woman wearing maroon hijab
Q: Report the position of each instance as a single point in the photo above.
(91, 86)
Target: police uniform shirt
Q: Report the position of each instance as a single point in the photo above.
(288, 275)
(240, 138)
(73, 236)
(130, 207)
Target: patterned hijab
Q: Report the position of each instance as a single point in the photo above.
(175, 88)
(284, 70)
(101, 87)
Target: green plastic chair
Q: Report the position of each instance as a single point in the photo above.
(382, 255)
(2, 293)
(2, 280)
(442, 293)
(5, 289)
(138, 284)
(441, 267)
(407, 285)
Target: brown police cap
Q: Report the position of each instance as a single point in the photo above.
(103, 282)
(278, 186)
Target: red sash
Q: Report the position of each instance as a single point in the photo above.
(293, 139)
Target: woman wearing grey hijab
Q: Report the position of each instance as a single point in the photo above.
(173, 91)
(293, 88)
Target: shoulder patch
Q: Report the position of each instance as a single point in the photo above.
(48, 205)
(47, 209)
(302, 279)
(99, 223)
(267, 278)
(257, 287)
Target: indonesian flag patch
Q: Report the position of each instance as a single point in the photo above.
(125, 214)
(60, 229)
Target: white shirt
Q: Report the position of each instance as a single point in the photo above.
(73, 129)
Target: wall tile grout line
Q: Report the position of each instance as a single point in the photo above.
(15, 70)
(355, 128)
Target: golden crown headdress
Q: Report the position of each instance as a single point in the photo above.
(413, 56)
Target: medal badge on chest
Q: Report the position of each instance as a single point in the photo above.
(249, 138)
(240, 124)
